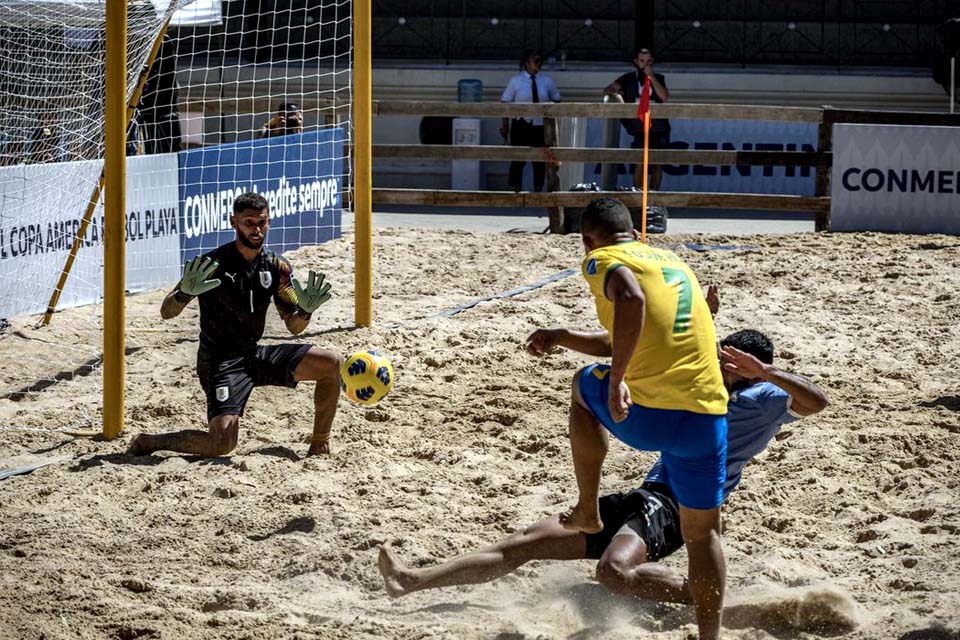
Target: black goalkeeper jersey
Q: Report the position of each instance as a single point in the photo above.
(232, 316)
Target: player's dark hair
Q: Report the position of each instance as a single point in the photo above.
(253, 201)
(753, 342)
(529, 53)
(606, 217)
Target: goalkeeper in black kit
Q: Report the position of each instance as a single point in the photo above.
(235, 284)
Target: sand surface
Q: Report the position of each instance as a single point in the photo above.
(848, 526)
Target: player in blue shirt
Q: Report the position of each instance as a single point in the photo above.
(643, 525)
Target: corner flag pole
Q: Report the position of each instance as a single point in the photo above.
(363, 178)
(644, 113)
(114, 235)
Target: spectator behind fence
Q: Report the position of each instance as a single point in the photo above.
(289, 119)
(630, 86)
(44, 143)
(133, 136)
(159, 111)
(527, 86)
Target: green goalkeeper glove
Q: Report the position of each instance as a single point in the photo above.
(196, 274)
(315, 293)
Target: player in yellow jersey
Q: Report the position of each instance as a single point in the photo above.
(663, 390)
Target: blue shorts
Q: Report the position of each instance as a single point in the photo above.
(693, 445)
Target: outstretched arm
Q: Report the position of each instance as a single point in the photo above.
(174, 304)
(296, 321)
(592, 343)
(295, 302)
(295, 318)
(806, 398)
(197, 279)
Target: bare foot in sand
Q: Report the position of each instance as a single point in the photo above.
(397, 579)
(578, 519)
(140, 446)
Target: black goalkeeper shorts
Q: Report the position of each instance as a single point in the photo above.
(650, 511)
(228, 382)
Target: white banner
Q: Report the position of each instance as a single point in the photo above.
(199, 13)
(896, 179)
(90, 13)
(41, 208)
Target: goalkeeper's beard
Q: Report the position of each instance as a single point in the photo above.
(251, 244)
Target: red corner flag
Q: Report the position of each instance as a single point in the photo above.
(644, 107)
(643, 113)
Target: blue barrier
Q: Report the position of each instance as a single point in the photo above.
(300, 176)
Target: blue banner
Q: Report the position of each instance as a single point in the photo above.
(300, 175)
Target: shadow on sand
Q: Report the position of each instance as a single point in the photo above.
(143, 461)
(279, 452)
(932, 633)
(947, 402)
(303, 524)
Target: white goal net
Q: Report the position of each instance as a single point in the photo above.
(241, 96)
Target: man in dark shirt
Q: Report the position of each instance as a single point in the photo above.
(235, 283)
(630, 86)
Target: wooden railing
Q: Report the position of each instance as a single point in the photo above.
(820, 160)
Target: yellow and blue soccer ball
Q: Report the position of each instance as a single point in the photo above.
(366, 377)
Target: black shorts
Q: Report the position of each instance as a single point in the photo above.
(229, 381)
(650, 511)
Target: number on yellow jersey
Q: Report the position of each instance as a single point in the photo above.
(673, 276)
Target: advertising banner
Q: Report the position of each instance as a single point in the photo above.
(896, 179)
(42, 209)
(299, 175)
(729, 135)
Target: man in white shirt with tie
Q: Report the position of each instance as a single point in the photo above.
(527, 86)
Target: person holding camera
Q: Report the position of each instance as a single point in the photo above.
(527, 86)
(289, 119)
(630, 86)
(44, 142)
